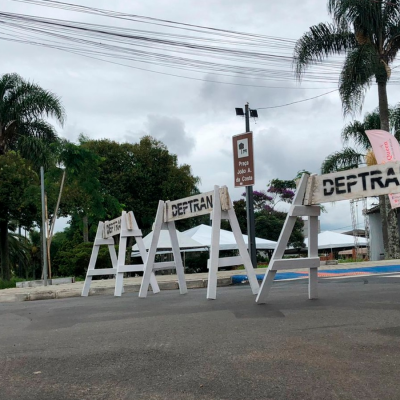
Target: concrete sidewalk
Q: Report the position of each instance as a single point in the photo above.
(166, 282)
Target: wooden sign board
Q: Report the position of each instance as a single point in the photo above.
(194, 206)
(243, 159)
(113, 227)
(353, 184)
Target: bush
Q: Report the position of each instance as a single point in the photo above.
(75, 261)
(10, 284)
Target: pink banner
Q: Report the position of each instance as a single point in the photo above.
(386, 149)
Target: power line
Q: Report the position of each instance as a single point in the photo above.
(295, 102)
(216, 51)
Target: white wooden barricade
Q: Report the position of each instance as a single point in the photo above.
(99, 241)
(125, 226)
(313, 190)
(219, 204)
(134, 231)
(312, 262)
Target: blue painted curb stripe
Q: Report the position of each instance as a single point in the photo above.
(236, 279)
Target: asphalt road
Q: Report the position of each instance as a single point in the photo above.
(345, 345)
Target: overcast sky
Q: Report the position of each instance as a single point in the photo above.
(195, 119)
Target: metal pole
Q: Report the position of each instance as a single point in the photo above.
(251, 229)
(44, 240)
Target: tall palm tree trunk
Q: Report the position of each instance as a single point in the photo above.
(390, 230)
(4, 253)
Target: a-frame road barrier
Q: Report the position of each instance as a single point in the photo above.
(100, 240)
(220, 205)
(312, 262)
(125, 226)
(313, 190)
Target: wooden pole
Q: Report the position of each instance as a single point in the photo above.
(48, 235)
(53, 222)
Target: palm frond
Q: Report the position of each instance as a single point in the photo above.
(8, 82)
(37, 151)
(392, 44)
(355, 131)
(39, 129)
(321, 41)
(19, 249)
(372, 120)
(394, 120)
(391, 13)
(342, 160)
(29, 102)
(362, 15)
(358, 70)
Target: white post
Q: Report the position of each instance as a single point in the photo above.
(313, 252)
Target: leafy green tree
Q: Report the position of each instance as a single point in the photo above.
(368, 34)
(84, 196)
(139, 175)
(23, 106)
(18, 189)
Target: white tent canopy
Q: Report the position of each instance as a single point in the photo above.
(202, 234)
(164, 242)
(333, 240)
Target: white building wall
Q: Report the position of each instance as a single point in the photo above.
(375, 237)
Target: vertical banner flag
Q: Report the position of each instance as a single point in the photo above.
(386, 149)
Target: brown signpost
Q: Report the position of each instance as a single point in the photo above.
(243, 159)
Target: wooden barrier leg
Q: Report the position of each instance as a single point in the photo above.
(313, 284)
(313, 252)
(214, 250)
(177, 257)
(149, 264)
(86, 286)
(154, 285)
(92, 261)
(251, 275)
(119, 277)
(265, 287)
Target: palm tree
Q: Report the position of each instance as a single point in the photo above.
(357, 150)
(23, 106)
(367, 32)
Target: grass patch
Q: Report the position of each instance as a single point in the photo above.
(11, 283)
(350, 260)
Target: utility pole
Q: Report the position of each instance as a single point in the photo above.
(251, 229)
(44, 239)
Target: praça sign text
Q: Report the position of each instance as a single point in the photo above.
(355, 183)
